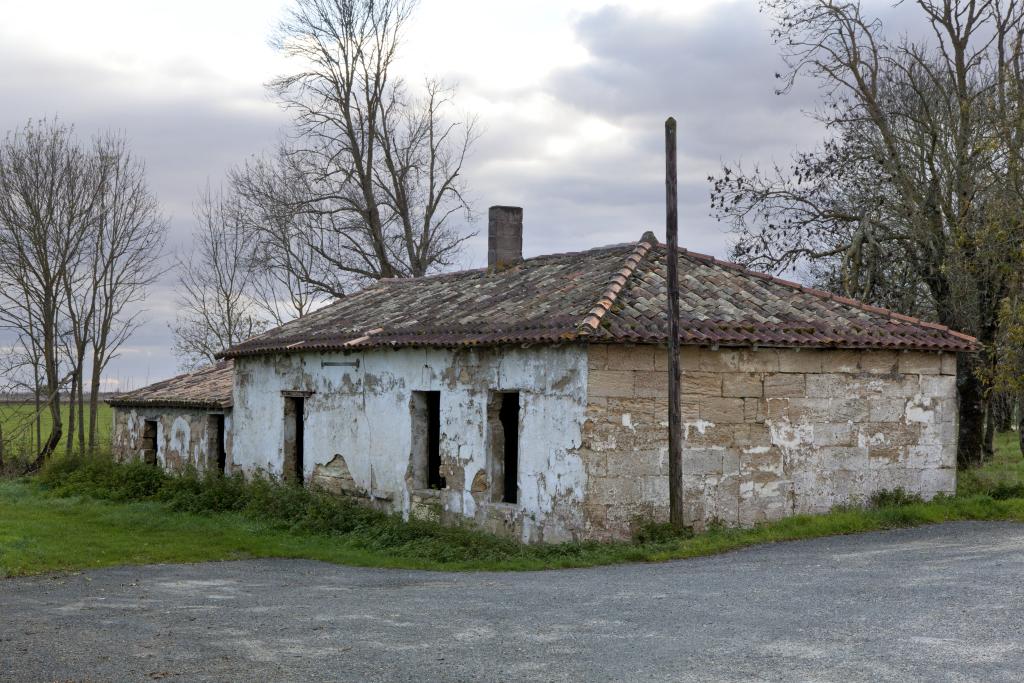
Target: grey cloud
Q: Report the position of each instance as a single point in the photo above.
(184, 140)
(714, 73)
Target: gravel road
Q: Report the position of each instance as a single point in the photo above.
(936, 603)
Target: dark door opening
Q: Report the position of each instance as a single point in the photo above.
(434, 478)
(149, 442)
(509, 417)
(503, 417)
(217, 441)
(294, 436)
(426, 440)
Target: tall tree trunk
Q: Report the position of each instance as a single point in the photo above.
(69, 443)
(38, 406)
(970, 446)
(81, 406)
(989, 448)
(94, 393)
(51, 370)
(1004, 413)
(1020, 423)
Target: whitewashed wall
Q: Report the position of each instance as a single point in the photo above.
(363, 415)
(182, 436)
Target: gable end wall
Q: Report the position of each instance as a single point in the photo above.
(182, 436)
(767, 433)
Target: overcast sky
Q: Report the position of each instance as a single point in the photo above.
(572, 96)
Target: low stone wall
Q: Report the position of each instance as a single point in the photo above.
(182, 437)
(768, 432)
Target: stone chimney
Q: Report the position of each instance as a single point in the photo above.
(504, 236)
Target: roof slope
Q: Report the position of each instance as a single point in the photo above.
(208, 388)
(542, 299)
(609, 294)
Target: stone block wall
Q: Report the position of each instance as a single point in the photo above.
(767, 432)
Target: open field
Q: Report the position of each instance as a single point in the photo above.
(155, 518)
(19, 425)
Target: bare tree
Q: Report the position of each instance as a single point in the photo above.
(19, 377)
(374, 171)
(916, 200)
(80, 239)
(79, 305)
(128, 251)
(215, 285)
(47, 208)
(290, 276)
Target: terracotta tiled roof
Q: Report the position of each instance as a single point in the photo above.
(608, 294)
(206, 389)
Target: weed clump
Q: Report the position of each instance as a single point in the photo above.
(897, 497)
(1007, 491)
(659, 532)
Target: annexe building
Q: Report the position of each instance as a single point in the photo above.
(185, 420)
(530, 397)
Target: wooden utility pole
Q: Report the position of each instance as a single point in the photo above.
(675, 446)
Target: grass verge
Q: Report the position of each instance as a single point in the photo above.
(1002, 474)
(93, 513)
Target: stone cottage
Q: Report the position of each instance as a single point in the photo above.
(529, 397)
(185, 420)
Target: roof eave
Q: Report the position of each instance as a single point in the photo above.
(168, 403)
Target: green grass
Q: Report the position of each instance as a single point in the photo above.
(87, 515)
(1004, 470)
(19, 425)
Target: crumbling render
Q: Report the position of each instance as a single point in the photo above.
(378, 414)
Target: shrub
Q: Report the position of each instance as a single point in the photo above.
(209, 492)
(101, 477)
(1007, 491)
(16, 457)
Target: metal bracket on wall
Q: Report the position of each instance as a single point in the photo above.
(340, 364)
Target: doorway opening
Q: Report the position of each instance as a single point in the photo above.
(294, 437)
(426, 440)
(503, 429)
(149, 442)
(216, 445)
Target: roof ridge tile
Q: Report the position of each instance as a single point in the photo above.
(593, 318)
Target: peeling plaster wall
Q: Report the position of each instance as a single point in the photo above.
(767, 433)
(182, 436)
(358, 429)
